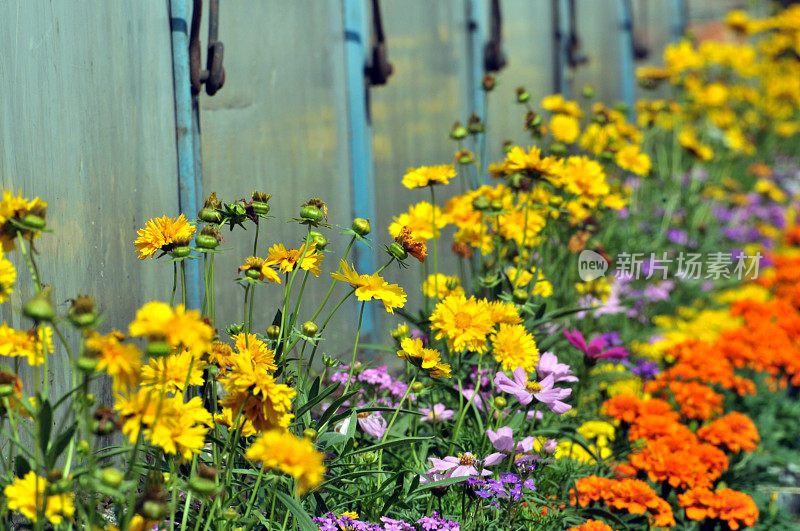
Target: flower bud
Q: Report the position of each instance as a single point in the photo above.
(464, 157)
(182, 251)
(153, 510)
(238, 208)
(520, 295)
(82, 313)
(587, 92)
(480, 203)
(259, 204)
(400, 332)
(158, 348)
(329, 362)
(557, 148)
(310, 328)
(112, 477)
(310, 434)
(230, 514)
(458, 132)
(361, 226)
(523, 96)
(417, 387)
(86, 364)
(500, 402)
(40, 307)
(209, 215)
(318, 239)
(234, 329)
(488, 82)
(274, 332)
(607, 156)
(34, 222)
(370, 457)
(206, 241)
(622, 107)
(311, 213)
(396, 250)
(255, 274)
(83, 447)
(475, 126)
(202, 486)
(496, 205)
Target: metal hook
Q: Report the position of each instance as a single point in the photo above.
(214, 74)
(494, 59)
(379, 69)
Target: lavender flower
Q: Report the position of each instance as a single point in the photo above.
(461, 466)
(439, 413)
(525, 391)
(595, 349)
(548, 364)
(435, 523)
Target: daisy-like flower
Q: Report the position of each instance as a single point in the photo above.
(122, 361)
(179, 327)
(162, 234)
(565, 128)
(23, 494)
(465, 323)
(13, 211)
(260, 269)
(518, 161)
(514, 347)
(172, 373)
(439, 413)
(370, 287)
(462, 465)
(630, 158)
(419, 221)
(264, 402)
(8, 275)
(412, 245)
(227, 418)
(287, 259)
(428, 175)
(525, 391)
(427, 359)
(548, 364)
(30, 344)
(280, 450)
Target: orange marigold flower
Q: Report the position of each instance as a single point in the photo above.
(592, 525)
(734, 431)
(735, 508)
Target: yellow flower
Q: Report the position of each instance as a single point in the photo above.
(254, 263)
(221, 354)
(373, 286)
(280, 450)
(514, 347)
(22, 496)
(226, 418)
(427, 359)
(286, 259)
(17, 207)
(465, 322)
(446, 284)
(630, 158)
(253, 361)
(585, 178)
(178, 327)
(8, 275)
(160, 234)
(556, 103)
(263, 401)
(31, 344)
(172, 373)
(504, 312)
(565, 128)
(598, 429)
(122, 361)
(689, 141)
(428, 175)
(419, 220)
(518, 160)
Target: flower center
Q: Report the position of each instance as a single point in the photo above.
(462, 320)
(363, 415)
(533, 387)
(466, 459)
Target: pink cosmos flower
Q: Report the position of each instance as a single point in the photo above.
(550, 446)
(438, 414)
(594, 350)
(462, 465)
(525, 391)
(548, 364)
(503, 441)
(372, 423)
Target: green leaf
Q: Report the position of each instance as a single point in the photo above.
(441, 483)
(323, 421)
(376, 346)
(389, 444)
(21, 466)
(60, 444)
(540, 312)
(301, 517)
(45, 425)
(316, 399)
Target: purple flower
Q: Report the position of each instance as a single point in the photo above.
(434, 523)
(550, 446)
(594, 350)
(548, 364)
(439, 413)
(416, 334)
(390, 524)
(525, 391)
(503, 441)
(646, 370)
(372, 423)
(461, 466)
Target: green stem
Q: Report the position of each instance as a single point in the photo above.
(435, 246)
(31, 265)
(174, 283)
(463, 411)
(391, 423)
(333, 281)
(355, 348)
(255, 491)
(183, 281)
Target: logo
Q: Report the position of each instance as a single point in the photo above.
(591, 265)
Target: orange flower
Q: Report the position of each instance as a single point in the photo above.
(633, 495)
(592, 525)
(735, 508)
(415, 247)
(734, 431)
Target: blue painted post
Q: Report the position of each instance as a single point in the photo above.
(678, 27)
(186, 130)
(362, 171)
(627, 75)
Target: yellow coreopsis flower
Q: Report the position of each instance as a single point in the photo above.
(585, 178)
(465, 323)
(280, 450)
(172, 373)
(8, 275)
(373, 286)
(518, 160)
(264, 402)
(630, 158)
(226, 418)
(30, 344)
(23, 494)
(427, 359)
(17, 207)
(504, 312)
(122, 361)
(565, 128)
(180, 328)
(446, 284)
(428, 175)
(514, 347)
(556, 103)
(287, 259)
(160, 234)
(419, 220)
